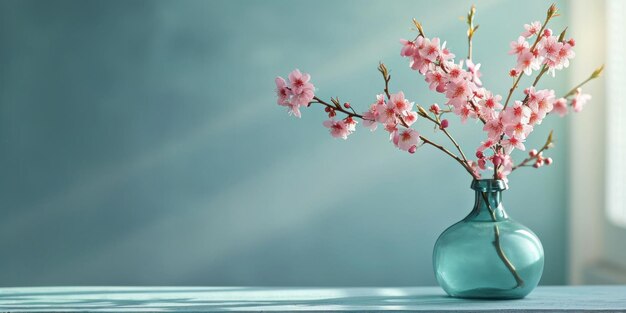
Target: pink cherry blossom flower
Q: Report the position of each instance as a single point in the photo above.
(431, 49)
(392, 129)
(542, 104)
(531, 29)
(456, 74)
(301, 88)
(293, 109)
(350, 124)
(420, 64)
(527, 62)
(562, 60)
(560, 107)
(338, 129)
(494, 128)
(371, 116)
(519, 46)
(387, 115)
(408, 48)
(436, 80)
(490, 105)
(520, 130)
(369, 119)
(579, 100)
(445, 54)
(518, 113)
(458, 93)
(282, 91)
(303, 98)
(550, 47)
(513, 143)
(464, 112)
(299, 81)
(409, 117)
(406, 139)
(473, 69)
(380, 99)
(486, 145)
(399, 103)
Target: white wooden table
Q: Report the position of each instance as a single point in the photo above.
(217, 299)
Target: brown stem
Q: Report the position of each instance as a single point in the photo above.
(340, 109)
(497, 244)
(446, 151)
(454, 142)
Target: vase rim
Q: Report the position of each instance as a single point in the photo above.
(485, 185)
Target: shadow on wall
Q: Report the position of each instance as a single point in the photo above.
(141, 144)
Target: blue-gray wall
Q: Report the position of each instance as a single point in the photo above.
(140, 143)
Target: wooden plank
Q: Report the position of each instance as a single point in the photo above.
(253, 299)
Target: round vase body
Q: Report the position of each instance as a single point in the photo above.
(487, 254)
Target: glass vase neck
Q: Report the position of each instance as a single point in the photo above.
(488, 204)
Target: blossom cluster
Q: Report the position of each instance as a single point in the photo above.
(506, 123)
(507, 126)
(299, 92)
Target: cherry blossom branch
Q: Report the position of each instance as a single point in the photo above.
(596, 73)
(337, 107)
(383, 70)
(549, 144)
(552, 12)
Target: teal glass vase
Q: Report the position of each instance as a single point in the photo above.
(488, 255)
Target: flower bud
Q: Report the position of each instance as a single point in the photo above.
(548, 161)
(571, 42)
(480, 154)
(552, 10)
(412, 149)
(435, 109)
(496, 160)
(444, 124)
(547, 32)
(327, 109)
(513, 73)
(536, 165)
(532, 153)
(346, 105)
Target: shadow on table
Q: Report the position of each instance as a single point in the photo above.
(213, 299)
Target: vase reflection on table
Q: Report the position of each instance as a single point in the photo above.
(487, 254)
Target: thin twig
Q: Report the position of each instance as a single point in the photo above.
(518, 279)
